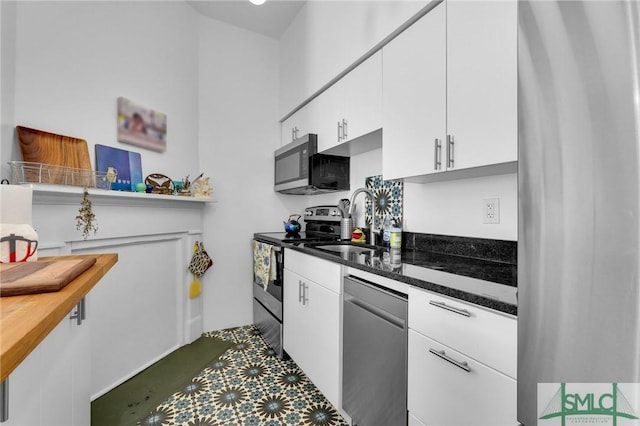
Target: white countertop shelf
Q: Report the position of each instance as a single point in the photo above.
(66, 194)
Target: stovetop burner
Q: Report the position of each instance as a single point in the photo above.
(322, 223)
(294, 238)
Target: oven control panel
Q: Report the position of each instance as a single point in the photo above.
(322, 213)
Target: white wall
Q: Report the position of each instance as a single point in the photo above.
(217, 84)
(455, 207)
(239, 131)
(74, 59)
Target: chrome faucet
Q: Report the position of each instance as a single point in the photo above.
(352, 206)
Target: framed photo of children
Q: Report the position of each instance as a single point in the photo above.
(141, 126)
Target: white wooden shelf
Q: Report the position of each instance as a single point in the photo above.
(66, 194)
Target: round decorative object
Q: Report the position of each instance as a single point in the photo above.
(160, 183)
(140, 187)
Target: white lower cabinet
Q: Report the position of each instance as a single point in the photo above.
(51, 386)
(445, 387)
(311, 320)
(461, 363)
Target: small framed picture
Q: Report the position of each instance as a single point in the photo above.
(141, 126)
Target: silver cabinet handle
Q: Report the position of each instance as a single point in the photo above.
(344, 129)
(460, 364)
(339, 132)
(80, 313)
(302, 292)
(305, 294)
(437, 146)
(4, 400)
(443, 305)
(450, 151)
(293, 134)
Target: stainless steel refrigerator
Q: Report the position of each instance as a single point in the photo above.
(579, 211)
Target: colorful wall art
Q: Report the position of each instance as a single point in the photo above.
(141, 126)
(388, 200)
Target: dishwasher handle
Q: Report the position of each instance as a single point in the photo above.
(374, 310)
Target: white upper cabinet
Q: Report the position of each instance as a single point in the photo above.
(352, 107)
(299, 124)
(414, 98)
(482, 78)
(450, 90)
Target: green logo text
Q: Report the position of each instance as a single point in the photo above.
(566, 404)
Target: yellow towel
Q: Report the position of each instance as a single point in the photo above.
(264, 263)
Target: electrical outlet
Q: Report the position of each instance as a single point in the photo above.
(491, 210)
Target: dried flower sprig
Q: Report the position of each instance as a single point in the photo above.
(86, 219)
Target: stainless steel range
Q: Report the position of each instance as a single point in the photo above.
(321, 223)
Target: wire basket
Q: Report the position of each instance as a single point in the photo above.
(26, 172)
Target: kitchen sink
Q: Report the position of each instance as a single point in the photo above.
(346, 249)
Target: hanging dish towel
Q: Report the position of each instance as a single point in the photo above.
(264, 263)
(200, 261)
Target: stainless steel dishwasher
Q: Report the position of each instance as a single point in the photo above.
(374, 383)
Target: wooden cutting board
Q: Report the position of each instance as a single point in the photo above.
(38, 146)
(40, 277)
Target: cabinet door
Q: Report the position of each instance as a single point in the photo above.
(51, 386)
(295, 318)
(444, 394)
(56, 384)
(363, 98)
(414, 98)
(488, 336)
(482, 81)
(312, 332)
(24, 391)
(298, 125)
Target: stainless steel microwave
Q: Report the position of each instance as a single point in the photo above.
(299, 169)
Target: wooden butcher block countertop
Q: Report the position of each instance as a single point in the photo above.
(26, 320)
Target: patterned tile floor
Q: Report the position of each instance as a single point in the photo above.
(247, 386)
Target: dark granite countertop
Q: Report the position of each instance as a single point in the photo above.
(486, 283)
